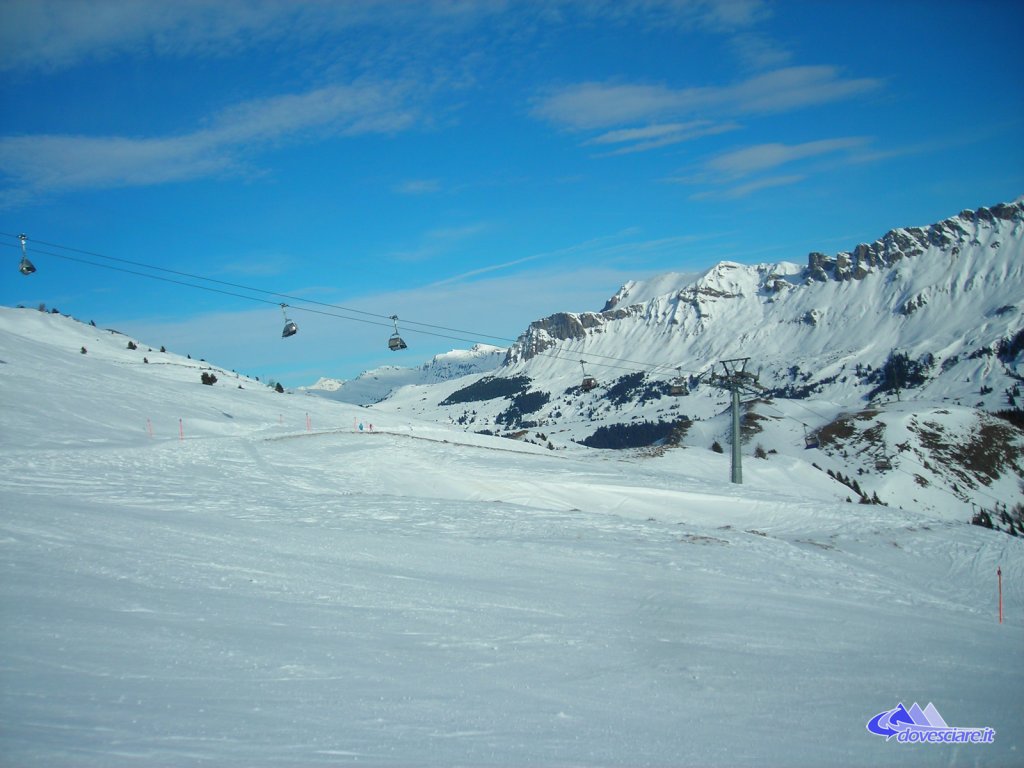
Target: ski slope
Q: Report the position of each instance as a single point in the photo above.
(226, 576)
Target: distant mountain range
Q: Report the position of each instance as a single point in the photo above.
(901, 359)
(375, 385)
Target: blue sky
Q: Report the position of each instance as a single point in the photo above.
(471, 165)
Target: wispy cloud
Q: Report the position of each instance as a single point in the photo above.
(54, 34)
(439, 242)
(742, 172)
(44, 163)
(759, 52)
(762, 157)
(418, 187)
(748, 188)
(593, 105)
(659, 135)
(605, 249)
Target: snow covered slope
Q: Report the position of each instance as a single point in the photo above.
(228, 576)
(927, 322)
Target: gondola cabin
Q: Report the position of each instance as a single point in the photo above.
(26, 267)
(589, 382)
(290, 328)
(395, 343)
(678, 389)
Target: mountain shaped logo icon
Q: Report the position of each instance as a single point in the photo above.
(924, 726)
(894, 721)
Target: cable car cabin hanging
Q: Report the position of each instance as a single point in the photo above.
(290, 328)
(810, 439)
(395, 343)
(589, 382)
(26, 267)
(678, 386)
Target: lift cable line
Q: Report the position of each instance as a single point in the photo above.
(229, 284)
(474, 337)
(323, 313)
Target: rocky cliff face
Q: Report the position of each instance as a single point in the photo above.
(545, 333)
(907, 243)
(695, 304)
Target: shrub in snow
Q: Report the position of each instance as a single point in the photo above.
(84, 350)
(717, 447)
(279, 388)
(131, 345)
(982, 518)
(208, 378)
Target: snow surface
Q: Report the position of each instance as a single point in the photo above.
(226, 576)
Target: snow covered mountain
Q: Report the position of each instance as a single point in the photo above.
(897, 358)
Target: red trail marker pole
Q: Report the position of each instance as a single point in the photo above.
(999, 576)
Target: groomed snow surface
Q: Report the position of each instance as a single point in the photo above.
(224, 576)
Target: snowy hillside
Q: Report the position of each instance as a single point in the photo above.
(901, 354)
(375, 385)
(226, 575)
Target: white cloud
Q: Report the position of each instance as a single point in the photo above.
(762, 157)
(439, 242)
(659, 135)
(602, 105)
(749, 188)
(418, 187)
(739, 173)
(54, 34)
(605, 249)
(594, 105)
(44, 163)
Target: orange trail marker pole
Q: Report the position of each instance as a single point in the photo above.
(999, 576)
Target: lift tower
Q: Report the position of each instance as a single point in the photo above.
(737, 380)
